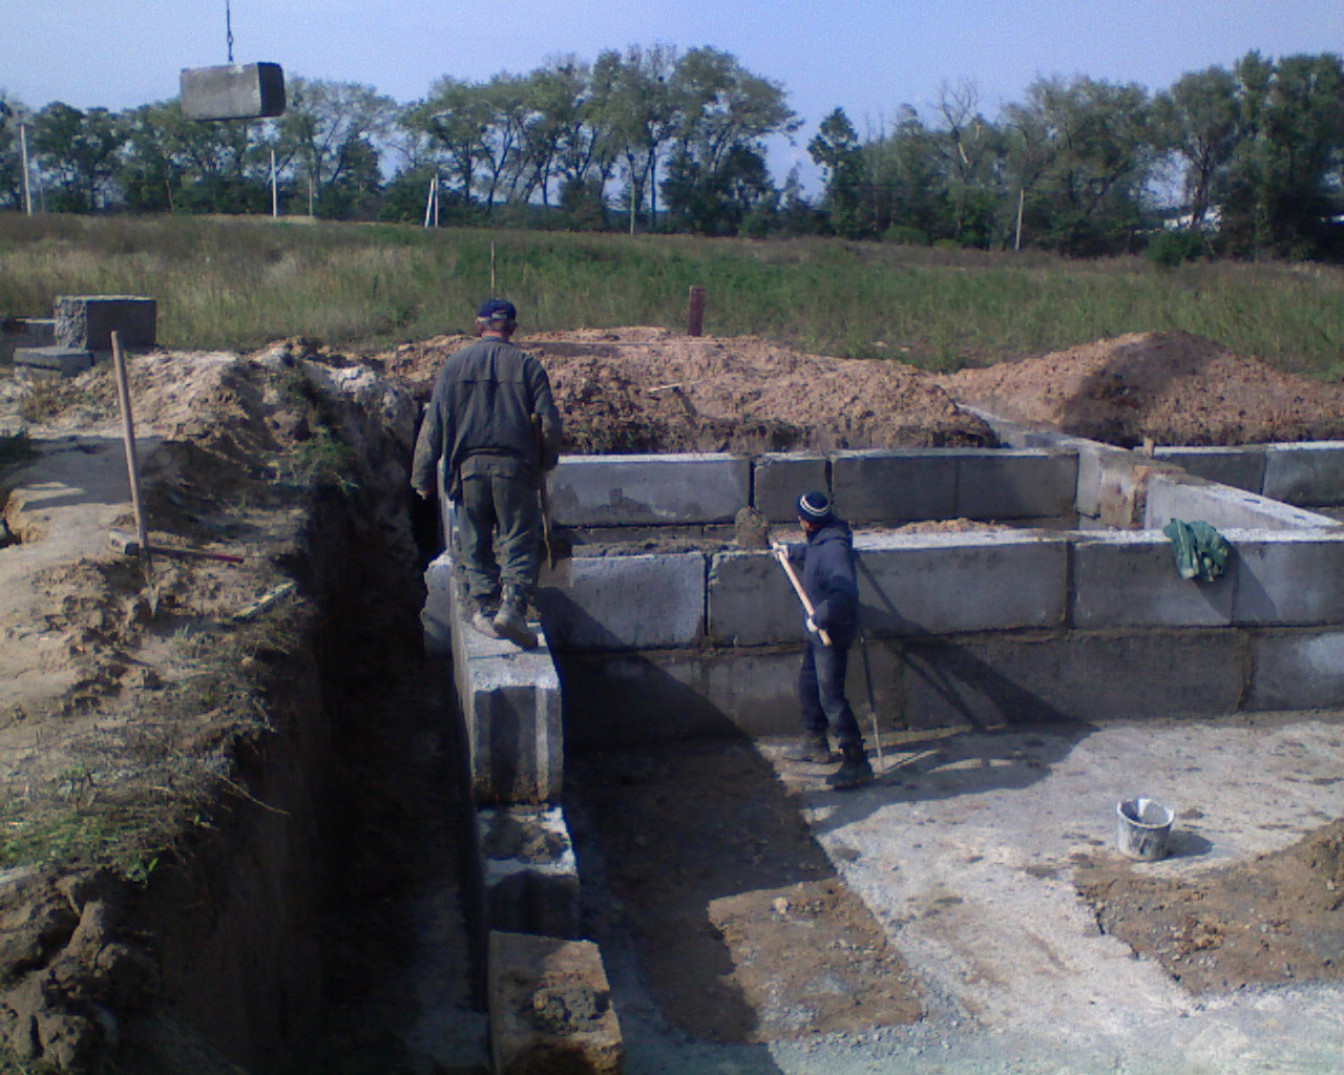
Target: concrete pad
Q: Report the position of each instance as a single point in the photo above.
(530, 873)
(1129, 579)
(945, 583)
(991, 680)
(550, 1007)
(964, 849)
(895, 486)
(779, 479)
(1015, 484)
(1222, 507)
(626, 602)
(1288, 578)
(1311, 475)
(1240, 467)
(61, 361)
(88, 321)
(634, 490)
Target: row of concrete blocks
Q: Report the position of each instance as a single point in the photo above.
(548, 998)
(913, 585)
(1071, 479)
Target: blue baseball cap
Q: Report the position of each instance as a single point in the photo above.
(497, 310)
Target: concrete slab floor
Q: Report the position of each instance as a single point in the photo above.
(963, 849)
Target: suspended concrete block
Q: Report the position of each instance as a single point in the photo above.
(234, 91)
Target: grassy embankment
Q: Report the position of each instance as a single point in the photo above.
(238, 284)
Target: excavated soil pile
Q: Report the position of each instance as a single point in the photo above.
(650, 390)
(1172, 387)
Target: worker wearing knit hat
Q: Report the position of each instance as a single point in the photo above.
(831, 585)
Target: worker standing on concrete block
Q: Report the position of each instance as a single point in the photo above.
(831, 590)
(490, 402)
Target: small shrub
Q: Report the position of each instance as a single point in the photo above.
(1167, 249)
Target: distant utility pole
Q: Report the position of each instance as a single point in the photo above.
(1021, 197)
(27, 188)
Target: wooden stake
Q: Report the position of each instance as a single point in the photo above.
(695, 315)
(132, 466)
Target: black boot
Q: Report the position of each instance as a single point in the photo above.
(811, 749)
(854, 768)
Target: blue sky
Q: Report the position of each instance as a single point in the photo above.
(868, 56)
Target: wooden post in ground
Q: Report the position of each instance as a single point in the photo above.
(132, 466)
(695, 315)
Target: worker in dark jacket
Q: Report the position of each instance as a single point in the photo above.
(493, 422)
(831, 586)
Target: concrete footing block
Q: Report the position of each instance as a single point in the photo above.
(1238, 467)
(56, 361)
(1310, 475)
(622, 490)
(780, 478)
(232, 91)
(509, 699)
(987, 681)
(530, 873)
(550, 1007)
(16, 332)
(88, 321)
(895, 486)
(625, 602)
(1288, 578)
(996, 483)
(1180, 497)
(1130, 579)
(1296, 670)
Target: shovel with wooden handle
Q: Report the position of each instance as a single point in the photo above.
(782, 555)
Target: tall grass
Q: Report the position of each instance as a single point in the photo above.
(239, 283)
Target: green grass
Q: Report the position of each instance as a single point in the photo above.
(239, 283)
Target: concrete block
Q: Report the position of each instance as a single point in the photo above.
(1296, 670)
(895, 486)
(751, 601)
(531, 875)
(233, 91)
(993, 680)
(1129, 579)
(1192, 500)
(550, 1007)
(16, 332)
(62, 361)
(1311, 475)
(1288, 578)
(88, 321)
(1239, 467)
(626, 602)
(633, 490)
(509, 699)
(1105, 483)
(946, 583)
(1015, 484)
(779, 479)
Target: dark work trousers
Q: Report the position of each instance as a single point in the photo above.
(499, 531)
(821, 692)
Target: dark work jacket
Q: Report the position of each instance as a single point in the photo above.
(492, 407)
(830, 581)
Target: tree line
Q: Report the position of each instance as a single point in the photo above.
(1247, 160)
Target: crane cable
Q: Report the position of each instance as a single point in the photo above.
(228, 28)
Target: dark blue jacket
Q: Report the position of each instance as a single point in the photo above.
(830, 581)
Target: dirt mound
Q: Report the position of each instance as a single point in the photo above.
(651, 390)
(1172, 387)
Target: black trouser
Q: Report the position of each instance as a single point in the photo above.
(821, 693)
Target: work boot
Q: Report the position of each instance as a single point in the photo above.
(854, 768)
(811, 749)
(511, 620)
(482, 617)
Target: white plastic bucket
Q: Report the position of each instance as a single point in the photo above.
(1142, 827)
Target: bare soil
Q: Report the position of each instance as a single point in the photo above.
(134, 710)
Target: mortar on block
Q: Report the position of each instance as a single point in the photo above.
(1142, 828)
